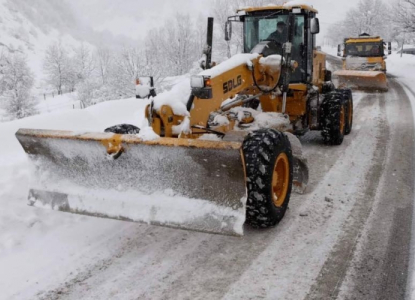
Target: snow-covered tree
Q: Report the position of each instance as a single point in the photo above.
(103, 62)
(178, 46)
(83, 63)
(16, 82)
(404, 15)
(127, 66)
(369, 16)
(57, 67)
(403, 20)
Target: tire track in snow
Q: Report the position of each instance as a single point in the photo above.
(314, 146)
(334, 270)
(379, 269)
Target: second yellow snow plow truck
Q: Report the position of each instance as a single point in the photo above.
(364, 65)
(223, 154)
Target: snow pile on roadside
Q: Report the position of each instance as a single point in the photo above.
(26, 232)
(401, 66)
(404, 69)
(15, 169)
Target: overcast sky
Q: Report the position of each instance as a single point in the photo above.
(133, 17)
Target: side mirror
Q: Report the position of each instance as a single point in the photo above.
(144, 87)
(228, 31)
(389, 48)
(339, 50)
(315, 26)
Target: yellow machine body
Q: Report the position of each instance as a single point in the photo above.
(178, 179)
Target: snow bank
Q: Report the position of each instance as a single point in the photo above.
(41, 246)
(15, 170)
(58, 103)
(404, 69)
(401, 66)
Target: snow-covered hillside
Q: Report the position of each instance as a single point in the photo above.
(20, 33)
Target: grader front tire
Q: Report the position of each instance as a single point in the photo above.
(269, 172)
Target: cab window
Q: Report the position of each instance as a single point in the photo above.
(259, 28)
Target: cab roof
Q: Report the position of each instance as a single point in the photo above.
(277, 7)
(362, 39)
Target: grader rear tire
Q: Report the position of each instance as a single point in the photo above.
(269, 172)
(333, 118)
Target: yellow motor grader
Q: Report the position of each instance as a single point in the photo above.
(364, 65)
(223, 155)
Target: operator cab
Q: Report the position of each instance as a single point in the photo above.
(261, 25)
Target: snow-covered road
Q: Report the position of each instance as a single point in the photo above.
(348, 237)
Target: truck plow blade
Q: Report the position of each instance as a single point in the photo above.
(189, 184)
(364, 80)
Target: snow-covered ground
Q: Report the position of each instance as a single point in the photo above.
(58, 103)
(404, 69)
(25, 232)
(40, 249)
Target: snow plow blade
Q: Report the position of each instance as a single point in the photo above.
(189, 184)
(363, 80)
